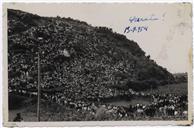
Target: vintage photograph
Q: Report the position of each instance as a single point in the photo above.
(98, 62)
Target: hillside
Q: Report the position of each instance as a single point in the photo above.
(77, 59)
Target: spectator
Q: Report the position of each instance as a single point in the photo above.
(18, 118)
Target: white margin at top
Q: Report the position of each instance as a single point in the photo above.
(101, 1)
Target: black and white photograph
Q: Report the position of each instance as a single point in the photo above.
(97, 62)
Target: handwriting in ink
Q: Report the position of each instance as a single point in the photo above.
(137, 29)
(134, 19)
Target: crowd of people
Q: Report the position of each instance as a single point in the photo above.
(75, 75)
(80, 67)
(165, 106)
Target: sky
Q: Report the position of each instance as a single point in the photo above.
(167, 39)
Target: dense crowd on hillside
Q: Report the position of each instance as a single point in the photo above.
(82, 69)
(74, 55)
(80, 64)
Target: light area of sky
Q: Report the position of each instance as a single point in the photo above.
(168, 40)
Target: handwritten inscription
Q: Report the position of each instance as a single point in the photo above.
(134, 19)
(137, 28)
